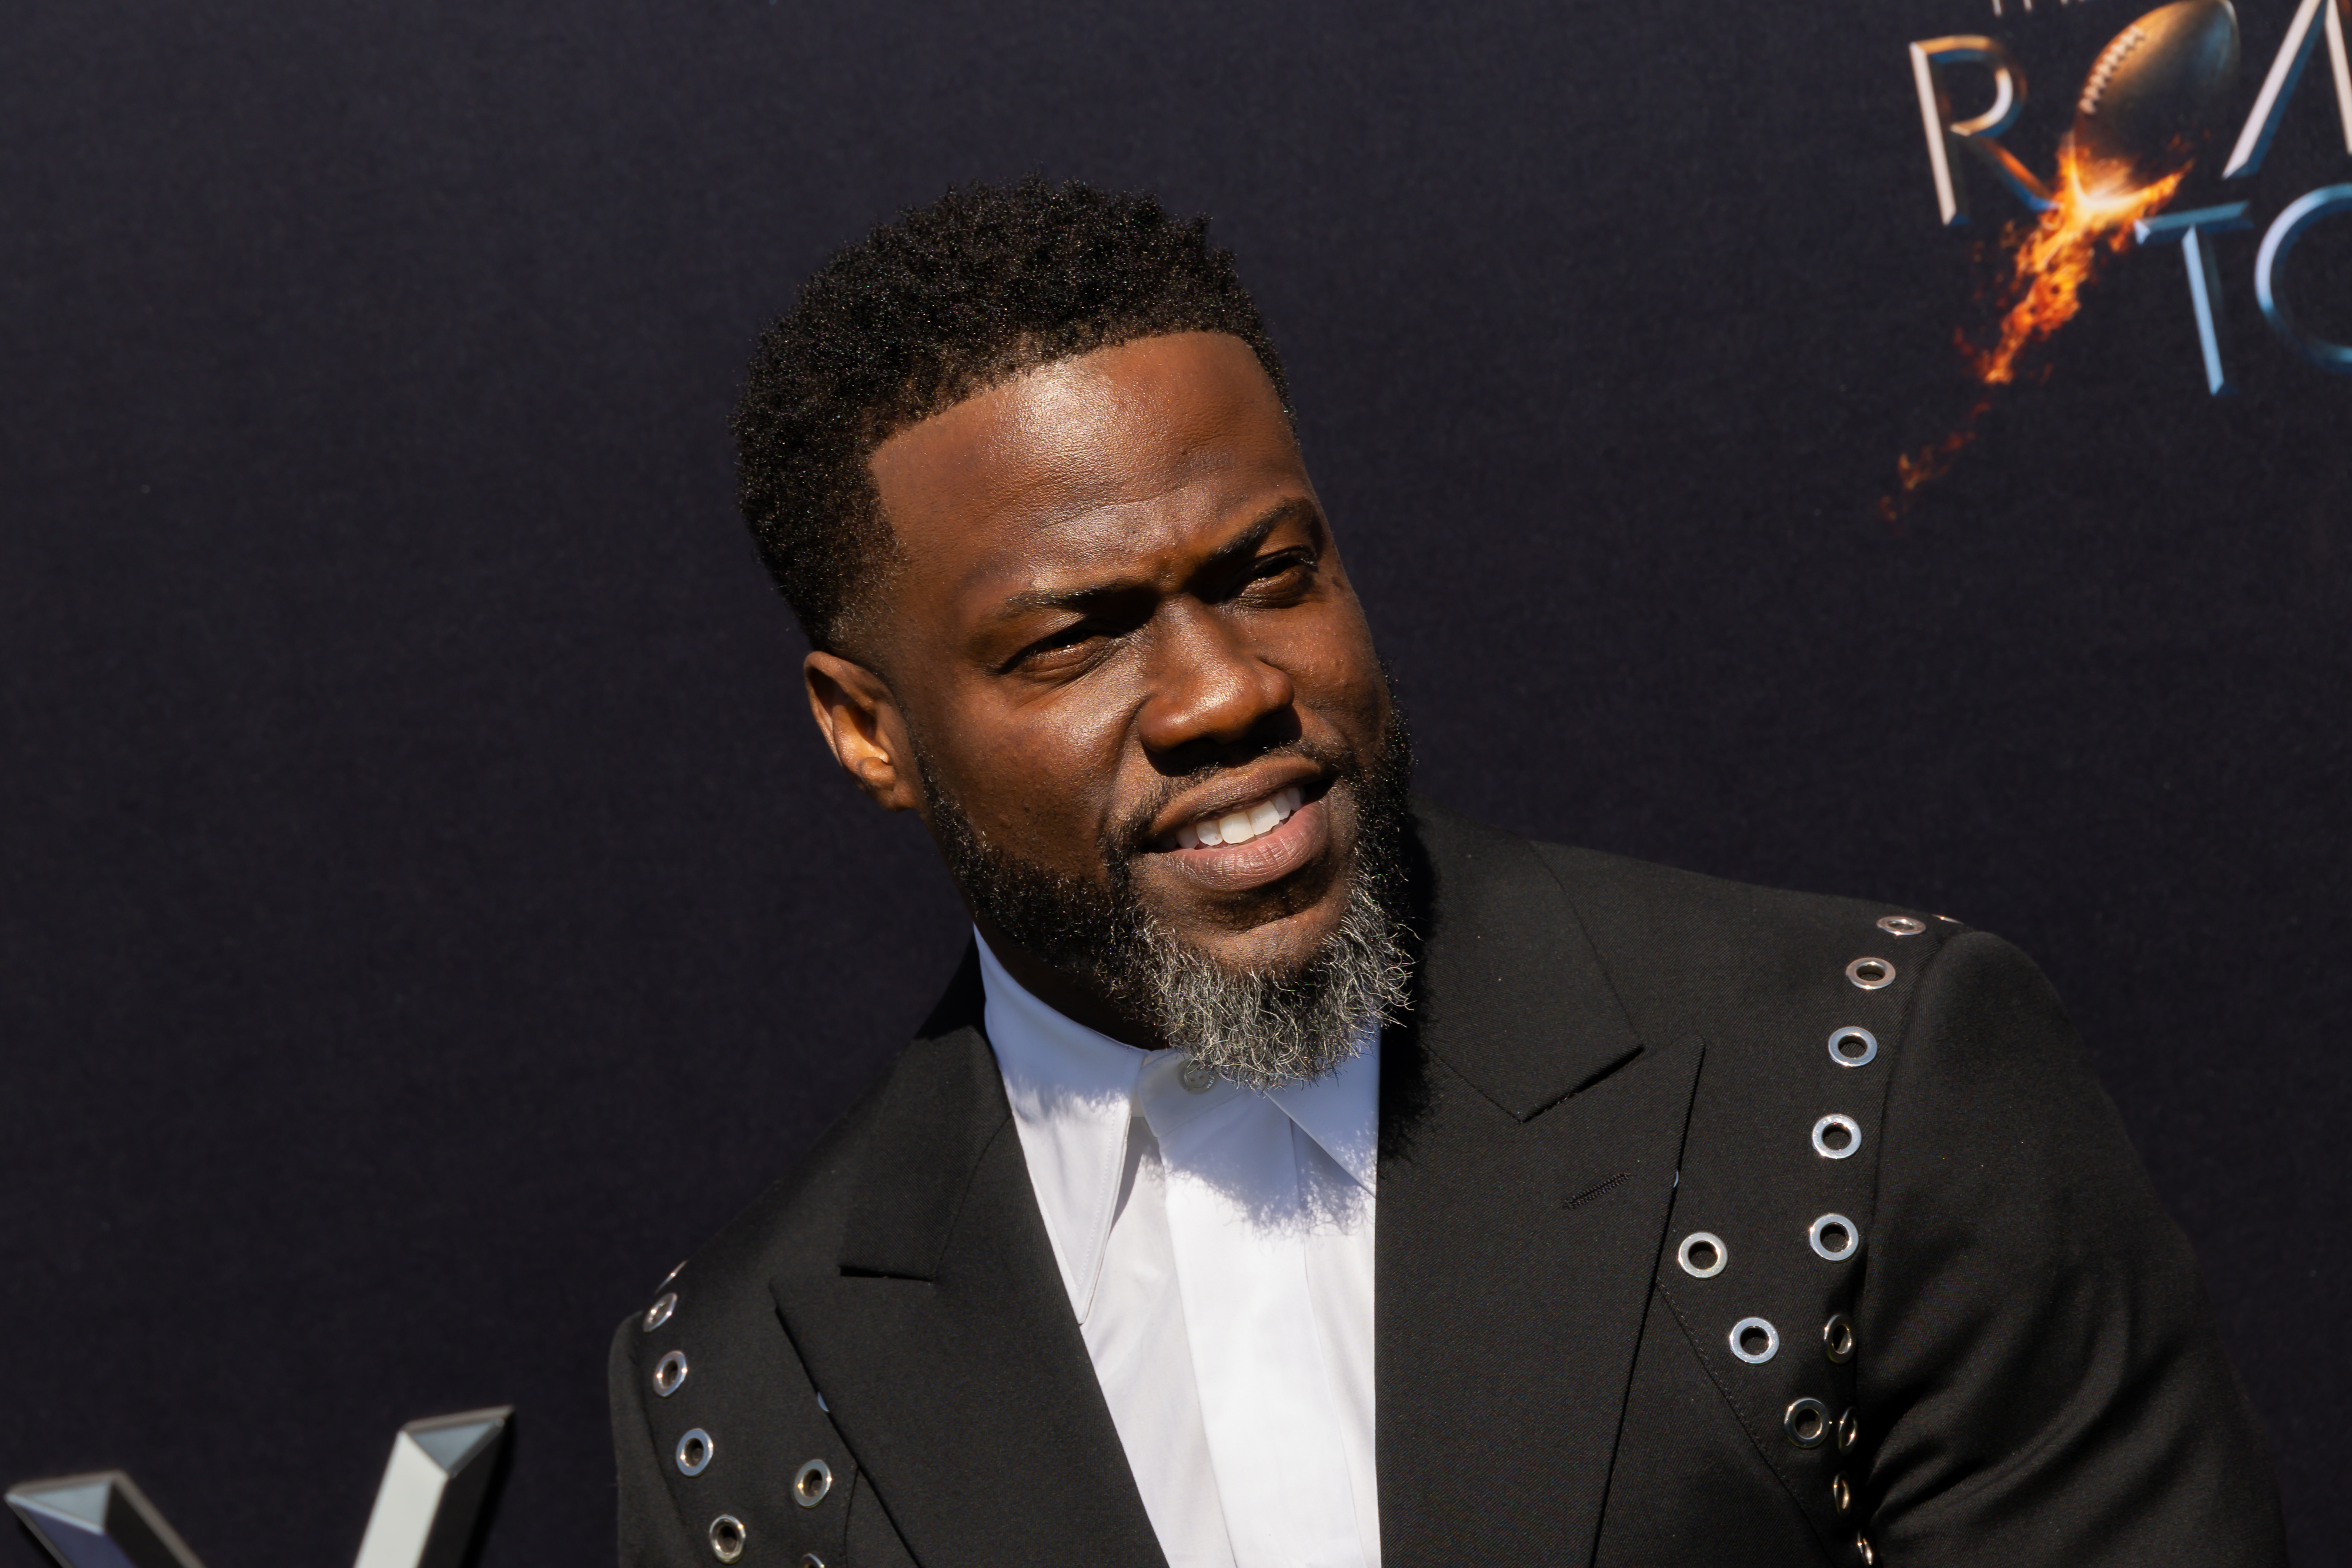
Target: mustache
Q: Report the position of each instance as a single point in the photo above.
(1131, 835)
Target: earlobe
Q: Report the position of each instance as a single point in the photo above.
(859, 719)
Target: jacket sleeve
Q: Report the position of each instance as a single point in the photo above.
(2036, 1343)
(650, 1533)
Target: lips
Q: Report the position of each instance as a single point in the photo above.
(1240, 825)
(1251, 844)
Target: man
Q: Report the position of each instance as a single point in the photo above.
(1294, 1173)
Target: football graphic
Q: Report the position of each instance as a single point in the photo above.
(2153, 93)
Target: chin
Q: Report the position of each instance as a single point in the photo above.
(1285, 939)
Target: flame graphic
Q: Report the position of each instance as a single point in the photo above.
(2055, 260)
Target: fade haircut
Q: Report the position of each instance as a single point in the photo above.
(941, 304)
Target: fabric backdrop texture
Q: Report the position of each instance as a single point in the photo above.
(425, 914)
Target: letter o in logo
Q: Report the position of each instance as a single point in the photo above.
(2285, 231)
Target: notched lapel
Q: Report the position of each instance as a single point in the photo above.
(943, 1339)
(944, 1103)
(1528, 1149)
(1511, 995)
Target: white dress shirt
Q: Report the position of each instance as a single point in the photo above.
(1216, 1243)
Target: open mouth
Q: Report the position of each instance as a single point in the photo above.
(1242, 824)
(1251, 845)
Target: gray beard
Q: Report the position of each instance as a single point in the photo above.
(1265, 1028)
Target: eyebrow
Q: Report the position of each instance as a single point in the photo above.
(1239, 546)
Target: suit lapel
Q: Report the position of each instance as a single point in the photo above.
(942, 1336)
(1529, 1146)
(1529, 1142)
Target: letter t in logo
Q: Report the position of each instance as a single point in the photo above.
(2194, 231)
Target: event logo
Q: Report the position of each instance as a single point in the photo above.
(2153, 100)
(430, 1509)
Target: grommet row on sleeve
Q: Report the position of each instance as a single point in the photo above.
(1754, 1341)
(1835, 1137)
(726, 1537)
(670, 1373)
(658, 1314)
(1833, 1236)
(694, 1452)
(1871, 974)
(814, 1480)
(1701, 1255)
(1853, 1046)
(1808, 1425)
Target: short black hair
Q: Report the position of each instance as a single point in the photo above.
(933, 308)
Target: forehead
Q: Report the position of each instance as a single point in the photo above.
(1084, 462)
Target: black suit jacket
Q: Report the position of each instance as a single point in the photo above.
(1604, 1058)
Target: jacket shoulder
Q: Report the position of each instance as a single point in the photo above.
(719, 1434)
(1690, 953)
(799, 1222)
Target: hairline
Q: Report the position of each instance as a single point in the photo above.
(842, 638)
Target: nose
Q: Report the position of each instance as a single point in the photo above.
(1210, 685)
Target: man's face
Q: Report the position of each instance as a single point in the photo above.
(1120, 614)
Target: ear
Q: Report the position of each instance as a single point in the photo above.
(862, 728)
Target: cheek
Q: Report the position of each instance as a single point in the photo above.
(1338, 673)
(1039, 778)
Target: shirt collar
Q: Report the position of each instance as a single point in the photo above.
(1073, 1095)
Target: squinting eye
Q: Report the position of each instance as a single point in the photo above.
(1075, 635)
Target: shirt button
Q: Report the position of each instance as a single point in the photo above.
(1197, 1077)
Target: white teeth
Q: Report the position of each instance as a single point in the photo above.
(1240, 827)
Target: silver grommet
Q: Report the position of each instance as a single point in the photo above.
(670, 1373)
(811, 1560)
(1871, 974)
(823, 1405)
(1842, 1495)
(1701, 1255)
(810, 1486)
(1197, 1077)
(658, 1314)
(1901, 925)
(1849, 1427)
(1853, 1046)
(1754, 1341)
(1837, 1338)
(673, 1274)
(694, 1451)
(727, 1535)
(1807, 1422)
(1862, 1549)
(1833, 1236)
(1835, 1137)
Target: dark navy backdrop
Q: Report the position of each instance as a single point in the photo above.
(426, 914)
